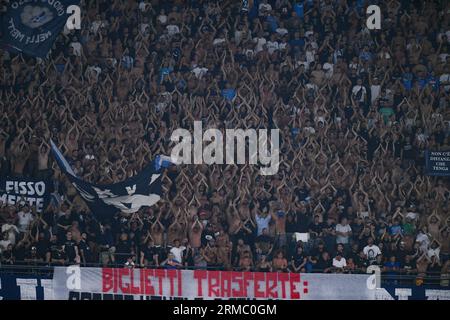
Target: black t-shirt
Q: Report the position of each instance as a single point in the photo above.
(408, 151)
(409, 265)
(322, 264)
(83, 246)
(315, 227)
(357, 229)
(188, 256)
(298, 258)
(48, 216)
(6, 255)
(348, 111)
(149, 252)
(317, 252)
(302, 222)
(263, 238)
(123, 247)
(20, 253)
(69, 249)
(206, 232)
(354, 255)
(291, 226)
(65, 221)
(30, 255)
(56, 253)
(264, 243)
(302, 193)
(363, 241)
(42, 247)
(439, 136)
(162, 253)
(361, 262)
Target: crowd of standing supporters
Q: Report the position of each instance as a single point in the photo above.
(356, 109)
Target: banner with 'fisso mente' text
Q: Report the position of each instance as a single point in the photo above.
(155, 284)
(21, 190)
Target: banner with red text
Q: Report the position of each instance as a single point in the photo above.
(76, 283)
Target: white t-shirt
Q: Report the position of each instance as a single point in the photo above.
(328, 68)
(249, 53)
(238, 36)
(264, 7)
(260, 42)
(372, 251)
(304, 63)
(281, 31)
(96, 25)
(385, 55)
(375, 90)
(341, 228)
(218, 41)
(434, 252)
(356, 89)
(309, 56)
(445, 78)
(142, 5)
(4, 245)
(12, 231)
(424, 241)
(143, 27)
(339, 263)
(353, 65)
(272, 46)
(177, 252)
(172, 29)
(199, 71)
(24, 220)
(162, 18)
(311, 130)
(76, 48)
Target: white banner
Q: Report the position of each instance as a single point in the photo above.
(76, 283)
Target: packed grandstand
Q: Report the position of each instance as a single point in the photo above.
(358, 111)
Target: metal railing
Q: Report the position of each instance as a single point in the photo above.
(434, 279)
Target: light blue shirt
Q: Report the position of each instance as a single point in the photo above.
(262, 222)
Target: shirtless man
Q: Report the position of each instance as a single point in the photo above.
(210, 253)
(195, 234)
(43, 153)
(174, 231)
(223, 248)
(157, 232)
(279, 216)
(20, 153)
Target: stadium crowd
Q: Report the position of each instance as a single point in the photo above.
(356, 109)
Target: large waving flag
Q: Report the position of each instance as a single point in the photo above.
(31, 27)
(143, 189)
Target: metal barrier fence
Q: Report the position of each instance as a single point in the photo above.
(398, 278)
(430, 278)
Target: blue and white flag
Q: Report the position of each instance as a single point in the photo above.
(31, 26)
(143, 189)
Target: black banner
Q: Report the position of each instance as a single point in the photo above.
(437, 163)
(32, 26)
(21, 190)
